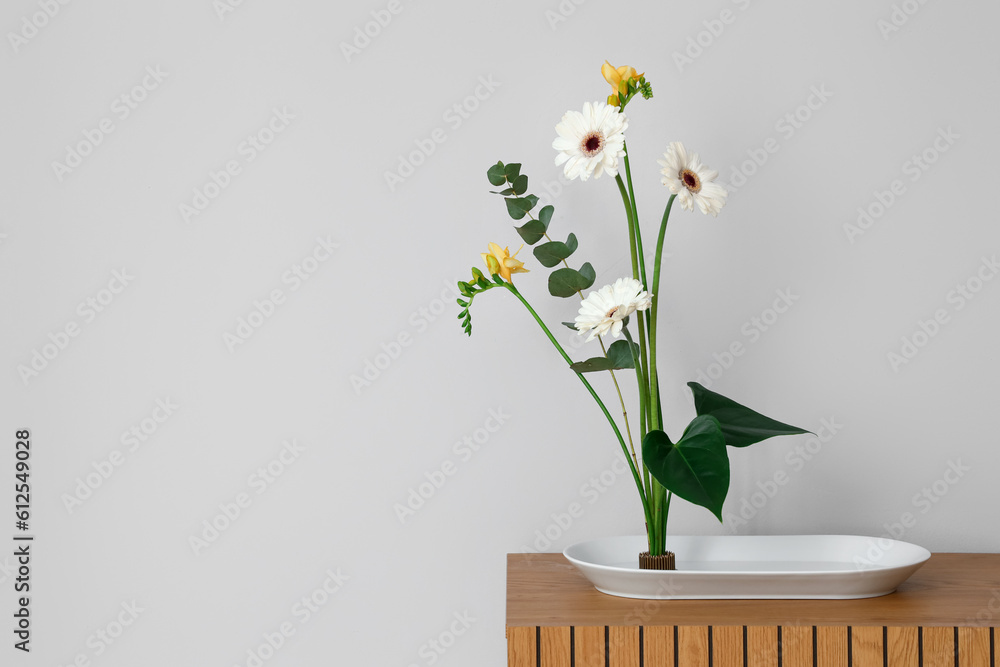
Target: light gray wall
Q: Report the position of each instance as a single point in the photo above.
(893, 78)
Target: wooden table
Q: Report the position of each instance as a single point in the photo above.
(944, 615)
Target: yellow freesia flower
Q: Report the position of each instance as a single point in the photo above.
(500, 262)
(618, 78)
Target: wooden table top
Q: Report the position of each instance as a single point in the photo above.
(951, 589)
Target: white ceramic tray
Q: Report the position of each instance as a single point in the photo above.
(734, 567)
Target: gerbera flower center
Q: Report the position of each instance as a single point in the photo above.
(611, 313)
(592, 144)
(691, 180)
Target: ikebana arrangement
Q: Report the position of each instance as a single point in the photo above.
(591, 143)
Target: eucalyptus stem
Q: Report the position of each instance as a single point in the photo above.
(614, 379)
(593, 393)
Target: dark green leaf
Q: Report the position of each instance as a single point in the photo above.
(696, 468)
(551, 253)
(531, 231)
(567, 282)
(496, 174)
(571, 325)
(512, 171)
(545, 215)
(518, 207)
(520, 185)
(620, 354)
(505, 193)
(619, 357)
(740, 425)
(594, 364)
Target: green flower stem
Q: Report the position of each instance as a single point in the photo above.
(635, 222)
(633, 250)
(659, 497)
(666, 514)
(648, 406)
(631, 226)
(642, 404)
(654, 313)
(586, 383)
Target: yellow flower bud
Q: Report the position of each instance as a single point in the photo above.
(500, 262)
(619, 79)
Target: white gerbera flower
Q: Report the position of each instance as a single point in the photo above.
(604, 310)
(691, 181)
(591, 142)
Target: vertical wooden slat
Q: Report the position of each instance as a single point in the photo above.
(658, 646)
(693, 643)
(589, 646)
(796, 646)
(624, 646)
(939, 647)
(555, 647)
(974, 647)
(902, 647)
(727, 646)
(866, 646)
(521, 647)
(831, 646)
(762, 646)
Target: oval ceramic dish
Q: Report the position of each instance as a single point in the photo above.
(733, 567)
